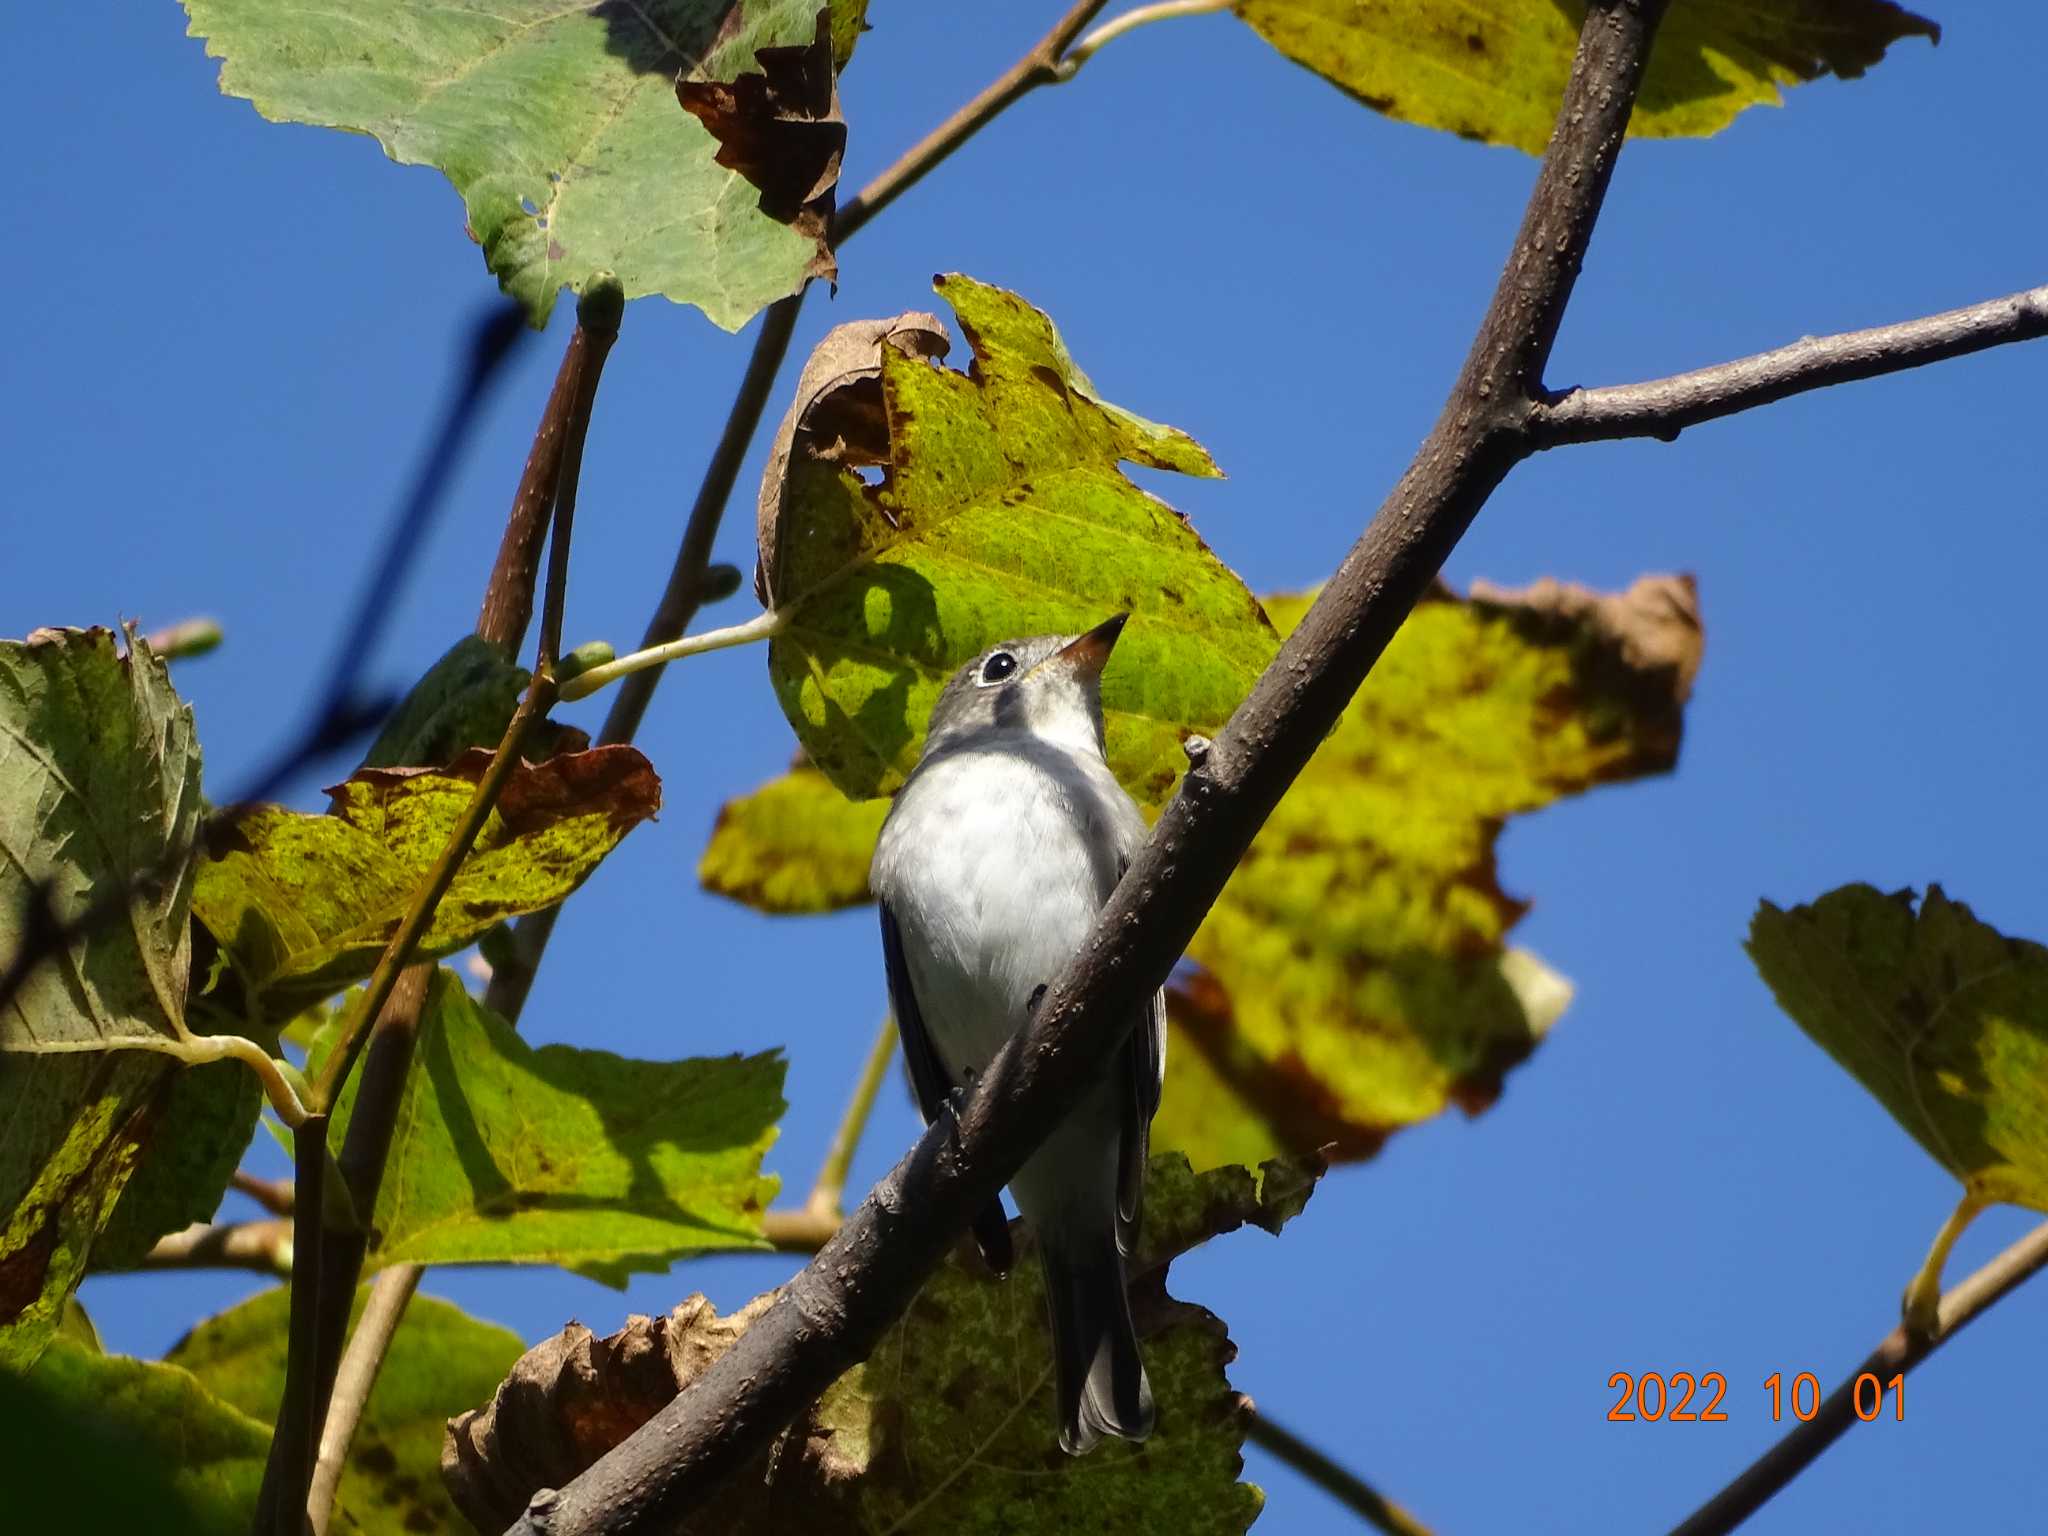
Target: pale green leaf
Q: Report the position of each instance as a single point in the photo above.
(505, 1153)
(441, 1361)
(1495, 70)
(558, 125)
(949, 1426)
(1940, 1016)
(204, 1118)
(1001, 513)
(99, 799)
(303, 905)
(1354, 977)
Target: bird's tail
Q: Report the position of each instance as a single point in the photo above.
(1101, 1379)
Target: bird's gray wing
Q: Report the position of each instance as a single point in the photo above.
(929, 1082)
(1143, 1069)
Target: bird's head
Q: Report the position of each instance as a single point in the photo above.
(1047, 685)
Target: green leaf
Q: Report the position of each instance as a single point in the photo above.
(559, 126)
(464, 700)
(99, 800)
(207, 1115)
(1001, 513)
(93, 1442)
(1354, 977)
(304, 905)
(509, 1154)
(1941, 1017)
(1494, 70)
(796, 844)
(948, 1426)
(441, 1361)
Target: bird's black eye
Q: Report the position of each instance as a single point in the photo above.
(998, 667)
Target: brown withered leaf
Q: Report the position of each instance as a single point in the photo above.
(949, 1424)
(837, 417)
(783, 131)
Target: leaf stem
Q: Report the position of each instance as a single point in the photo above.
(390, 1293)
(1898, 1352)
(761, 627)
(1335, 1479)
(1129, 21)
(1922, 1306)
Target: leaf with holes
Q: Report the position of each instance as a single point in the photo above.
(441, 1361)
(302, 906)
(1494, 70)
(1001, 512)
(508, 1154)
(558, 124)
(1940, 1016)
(948, 1425)
(99, 802)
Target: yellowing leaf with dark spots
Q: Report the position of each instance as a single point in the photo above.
(302, 905)
(1355, 976)
(1000, 512)
(1494, 70)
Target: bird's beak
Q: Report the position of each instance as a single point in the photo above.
(1088, 654)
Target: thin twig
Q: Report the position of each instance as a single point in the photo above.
(598, 313)
(1899, 1352)
(1662, 408)
(274, 1195)
(1130, 21)
(390, 1293)
(298, 1414)
(1340, 1482)
(512, 978)
(263, 1246)
(830, 1187)
(831, 1314)
(1040, 65)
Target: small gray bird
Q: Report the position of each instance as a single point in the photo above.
(1001, 847)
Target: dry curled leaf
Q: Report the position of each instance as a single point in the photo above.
(783, 131)
(837, 416)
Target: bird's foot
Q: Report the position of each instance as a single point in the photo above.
(1037, 997)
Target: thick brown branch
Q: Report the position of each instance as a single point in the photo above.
(830, 1316)
(1899, 1352)
(1662, 408)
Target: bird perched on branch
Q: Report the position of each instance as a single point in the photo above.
(1000, 849)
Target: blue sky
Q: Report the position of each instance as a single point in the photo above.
(229, 338)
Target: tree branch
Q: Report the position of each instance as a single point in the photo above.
(1899, 1352)
(1040, 65)
(298, 1414)
(830, 1315)
(397, 989)
(1335, 1479)
(263, 1246)
(276, 1196)
(1662, 408)
(390, 1293)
